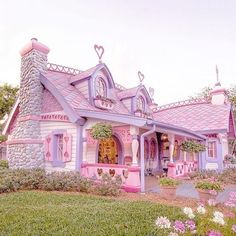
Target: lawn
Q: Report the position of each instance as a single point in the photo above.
(51, 213)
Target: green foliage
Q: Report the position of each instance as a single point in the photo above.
(192, 146)
(168, 182)
(109, 186)
(101, 131)
(8, 95)
(3, 138)
(30, 179)
(49, 213)
(204, 174)
(4, 164)
(209, 185)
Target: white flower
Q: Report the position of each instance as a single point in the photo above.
(188, 210)
(201, 210)
(172, 234)
(219, 220)
(218, 214)
(191, 216)
(163, 222)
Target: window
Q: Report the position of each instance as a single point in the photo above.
(101, 89)
(140, 103)
(59, 145)
(212, 149)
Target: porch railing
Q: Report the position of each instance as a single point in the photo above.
(181, 168)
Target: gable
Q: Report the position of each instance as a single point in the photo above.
(49, 103)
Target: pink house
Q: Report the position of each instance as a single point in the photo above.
(50, 124)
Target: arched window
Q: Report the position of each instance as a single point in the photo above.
(101, 88)
(140, 103)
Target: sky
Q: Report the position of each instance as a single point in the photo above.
(176, 44)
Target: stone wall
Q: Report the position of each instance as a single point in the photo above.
(25, 154)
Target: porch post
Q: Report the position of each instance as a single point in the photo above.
(171, 138)
(79, 147)
(135, 144)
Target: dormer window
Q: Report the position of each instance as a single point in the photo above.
(101, 88)
(140, 103)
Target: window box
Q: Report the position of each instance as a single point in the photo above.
(104, 103)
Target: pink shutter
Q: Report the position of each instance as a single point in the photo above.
(67, 147)
(48, 148)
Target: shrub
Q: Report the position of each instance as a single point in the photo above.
(85, 185)
(204, 174)
(4, 164)
(192, 146)
(209, 185)
(168, 182)
(228, 176)
(109, 186)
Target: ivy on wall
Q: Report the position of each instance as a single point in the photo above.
(192, 146)
(101, 131)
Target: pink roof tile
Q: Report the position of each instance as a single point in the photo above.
(196, 117)
(75, 99)
(128, 93)
(84, 74)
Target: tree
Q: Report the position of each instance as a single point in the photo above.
(8, 96)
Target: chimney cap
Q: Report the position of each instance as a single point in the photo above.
(34, 44)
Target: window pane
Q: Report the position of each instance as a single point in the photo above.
(100, 87)
(60, 147)
(212, 149)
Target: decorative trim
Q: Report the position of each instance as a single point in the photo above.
(54, 117)
(25, 141)
(63, 69)
(181, 104)
(73, 116)
(30, 117)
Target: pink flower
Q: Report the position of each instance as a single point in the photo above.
(230, 204)
(232, 196)
(190, 224)
(214, 233)
(234, 228)
(179, 226)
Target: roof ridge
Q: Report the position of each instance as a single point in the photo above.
(187, 102)
(63, 69)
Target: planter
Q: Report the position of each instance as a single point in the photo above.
(205, 195)
(168, 192)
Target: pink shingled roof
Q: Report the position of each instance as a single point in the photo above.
(84, 74)
(75, 99)
(128, 93)
(196, 117)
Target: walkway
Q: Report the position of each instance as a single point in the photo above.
(186, 189)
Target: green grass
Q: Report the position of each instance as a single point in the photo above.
(47, 213)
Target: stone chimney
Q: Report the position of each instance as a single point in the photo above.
(218, 95)
(25, 148)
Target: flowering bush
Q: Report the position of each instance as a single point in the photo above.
(207, 221)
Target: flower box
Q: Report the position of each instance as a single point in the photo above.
(104, 103)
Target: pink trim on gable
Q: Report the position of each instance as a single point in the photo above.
(25, 141)
(30, 117)
(34, 44)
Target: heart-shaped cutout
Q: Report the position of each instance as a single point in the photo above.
(99, 50)
(125, 173)
(141, 76)
(99, 171)
(112, 172)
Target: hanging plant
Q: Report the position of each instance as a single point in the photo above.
(3, 138)
(192, 146)
(101, 131)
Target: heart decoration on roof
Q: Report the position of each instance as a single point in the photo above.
(151, 91)
(141, 77)
(99, 50)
